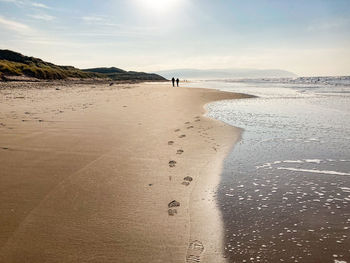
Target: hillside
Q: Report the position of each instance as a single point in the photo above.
(225, 73)
(13, 64)
(119, 74)
(16, 64)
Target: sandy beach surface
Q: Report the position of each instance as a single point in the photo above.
(99, 173)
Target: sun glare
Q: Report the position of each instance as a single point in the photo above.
(159, 6)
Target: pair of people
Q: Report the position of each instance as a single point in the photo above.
(177, 82)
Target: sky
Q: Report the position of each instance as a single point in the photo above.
(306, 37)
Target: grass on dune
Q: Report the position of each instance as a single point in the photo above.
(42, 70)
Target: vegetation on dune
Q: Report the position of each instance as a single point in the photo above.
(16, 64)
(112, 70)
(119, 74)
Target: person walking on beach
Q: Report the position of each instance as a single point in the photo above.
(177, 82)
(173, 80)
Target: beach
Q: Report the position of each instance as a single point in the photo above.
(110, 173)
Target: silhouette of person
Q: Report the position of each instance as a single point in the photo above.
(173, 80)
(177, 82)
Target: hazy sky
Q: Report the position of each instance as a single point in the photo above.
(307, 37)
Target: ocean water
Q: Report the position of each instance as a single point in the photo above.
(284, 193)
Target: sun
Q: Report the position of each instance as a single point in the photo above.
(159, 6)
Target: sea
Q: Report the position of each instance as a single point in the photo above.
(284, 193)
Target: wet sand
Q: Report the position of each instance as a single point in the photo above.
(99, 173)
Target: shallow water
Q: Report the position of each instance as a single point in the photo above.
(285, 188)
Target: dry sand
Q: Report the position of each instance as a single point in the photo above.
(85, 173)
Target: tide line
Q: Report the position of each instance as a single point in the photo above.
(312, 171)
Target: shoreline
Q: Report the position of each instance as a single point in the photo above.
(94, 165)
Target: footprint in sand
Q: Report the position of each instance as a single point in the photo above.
(194, 252)
(170, 142)
(172, 163)
(180, 151)
(187, 180)
(182, 136)
(190, 127)
(197, 120)
(177, 130)
(172, 211)
(174, 203)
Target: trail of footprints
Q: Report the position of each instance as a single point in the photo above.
(172, 163)
(195, 248)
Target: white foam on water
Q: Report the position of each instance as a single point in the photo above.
(314, 161)
(312, 171)
(345, 189)
(292, 161)
(318, 161)
(265, 165)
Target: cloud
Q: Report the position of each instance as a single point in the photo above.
(11, 1)
(23, 3)
(329, 25)
(16, 2)
(101, 23)
(13, 25)
(44, 17)
(99, 20)
(40, 5)
(91, 19)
